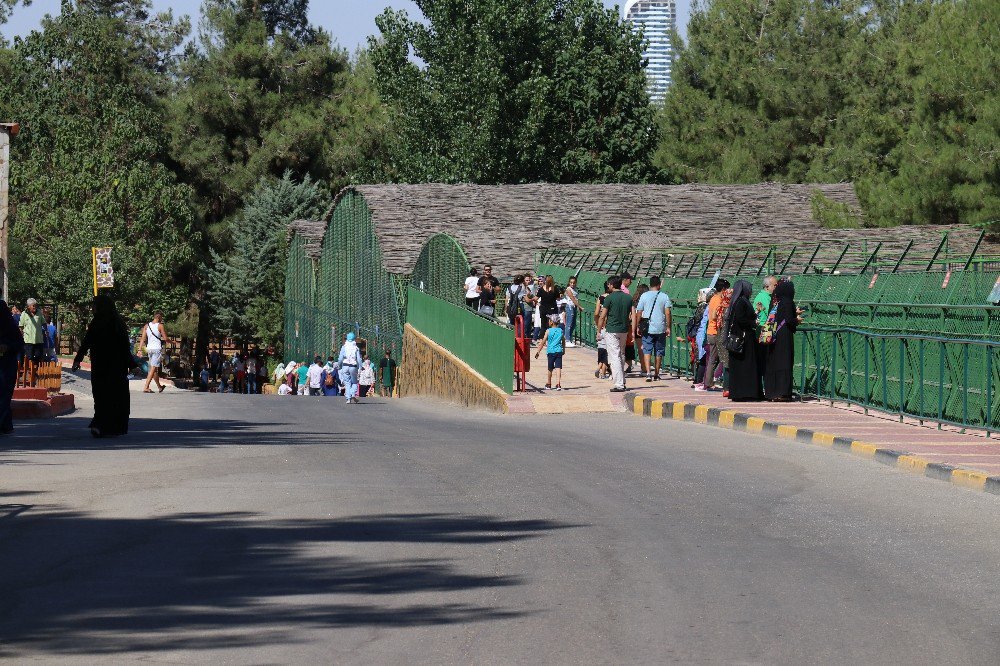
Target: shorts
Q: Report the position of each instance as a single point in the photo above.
(155, 357)
(34, 353)
(602, 355)
(555, 361)
(654, 344)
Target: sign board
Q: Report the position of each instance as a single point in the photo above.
(104, 273)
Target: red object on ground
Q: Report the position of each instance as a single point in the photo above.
(522, 354)
(51, 406)
(28, 393)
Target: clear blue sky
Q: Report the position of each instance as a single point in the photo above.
(349, 21)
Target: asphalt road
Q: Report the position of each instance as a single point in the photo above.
(230, 529)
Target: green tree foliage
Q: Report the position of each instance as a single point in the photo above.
(507, 91)
(898, 96)
(87, 168)
(265, 93)
(246, 299)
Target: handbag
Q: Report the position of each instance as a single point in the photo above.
(735, 340)
(769, 332)
(644, 321)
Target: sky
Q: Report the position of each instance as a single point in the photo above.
(349, 21)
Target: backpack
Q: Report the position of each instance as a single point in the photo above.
(329, 380)
(514, 303)
(694, 323)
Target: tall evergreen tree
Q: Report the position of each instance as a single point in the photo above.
(506, 91)
(246, 300)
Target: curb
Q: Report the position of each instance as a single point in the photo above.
(724, 418)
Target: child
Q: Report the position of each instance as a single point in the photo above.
(284, 389)
(603, 370)
(553, 342)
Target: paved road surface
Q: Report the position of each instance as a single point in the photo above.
(238, 530)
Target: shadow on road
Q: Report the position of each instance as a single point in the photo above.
(71, 433)
(71, 583)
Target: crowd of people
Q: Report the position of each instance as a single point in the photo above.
(350, 374)
(743, 344)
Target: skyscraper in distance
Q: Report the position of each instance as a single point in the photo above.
(656, 19)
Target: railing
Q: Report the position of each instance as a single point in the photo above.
(943, 380)
(486, 346)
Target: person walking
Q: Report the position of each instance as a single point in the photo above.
(614, 320)
(744, 382)
(251, 378)
(487, 298)
(572, 309)
(652, 322)
(366, 377)
(302, 378)
(632, 338)
(716, 312)
(349, 360)
(32, 324)
(548, 297)
(472, 289)
(554, 344)
(700, 337)
(51, 339)
(314, 376)
(152, 337)
(11, 344)
(387, 372)
(111, 358)
(329, 380)
(529, 301)
(781, 352)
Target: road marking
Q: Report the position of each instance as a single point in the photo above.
(656, 409)
(787, 431)
(912, 463)
(864, 449)
(969, 479)
(823, 438)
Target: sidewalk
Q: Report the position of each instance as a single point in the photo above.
(969, 458)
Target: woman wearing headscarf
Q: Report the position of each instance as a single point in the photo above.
(781, 353)
(349, 360)
(700, 343)
(11, 344)
(110, 360)
(741, 323)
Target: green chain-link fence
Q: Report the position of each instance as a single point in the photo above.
(441, 269)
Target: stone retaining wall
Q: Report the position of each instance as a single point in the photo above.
(431, 370)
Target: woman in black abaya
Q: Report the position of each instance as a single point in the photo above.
(11, 343)
(781, 354)
(741, 320)
(110, 360)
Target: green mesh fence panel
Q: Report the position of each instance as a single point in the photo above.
(300, 295)
(441, 269)
(346, 290)
(355, 291)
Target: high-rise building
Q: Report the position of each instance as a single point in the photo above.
(656, 19)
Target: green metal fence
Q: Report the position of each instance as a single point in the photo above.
(945, 380)
(441, 269)
(485, 345)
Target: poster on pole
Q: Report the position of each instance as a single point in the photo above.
(104, 274)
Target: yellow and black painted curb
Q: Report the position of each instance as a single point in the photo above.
(641, 405)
